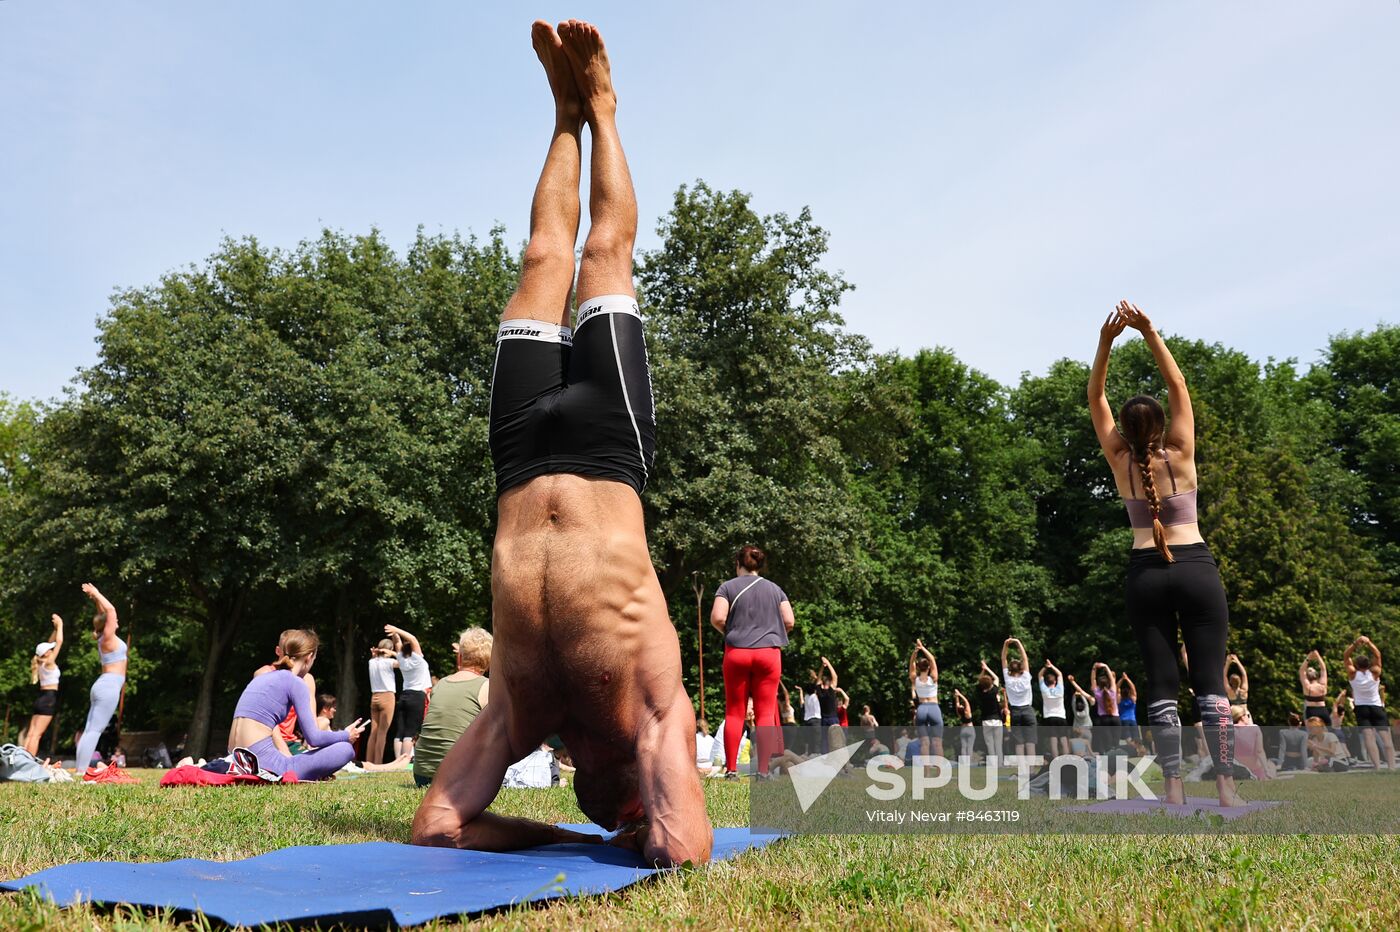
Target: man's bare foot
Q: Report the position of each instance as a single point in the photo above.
(592, 72)
(557, 68)
(633, 837)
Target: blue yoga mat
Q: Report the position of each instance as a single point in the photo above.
(374, 883)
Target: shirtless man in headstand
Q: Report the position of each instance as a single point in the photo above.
(584, 645)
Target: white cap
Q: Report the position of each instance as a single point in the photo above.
(44, 648)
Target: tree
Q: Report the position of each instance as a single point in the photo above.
(1359, 381)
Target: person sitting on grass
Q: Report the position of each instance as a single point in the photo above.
(1292, 745)
(325, 711)
(704, 748)
(1249, 745)
(789, 715)
(284, 736)
(325, 715)
(1326, 752)
(457, 700)
(265, 702)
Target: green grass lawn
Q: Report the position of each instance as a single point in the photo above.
(874, 881)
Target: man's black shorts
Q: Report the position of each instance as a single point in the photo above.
(574, 402)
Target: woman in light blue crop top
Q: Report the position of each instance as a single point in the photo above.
(1173, 584)
(44, 673)
(107, 689)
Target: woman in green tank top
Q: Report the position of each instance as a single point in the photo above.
(456, 701)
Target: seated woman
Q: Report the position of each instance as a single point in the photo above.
(1249, 746)
(457, 701)
(265, 703)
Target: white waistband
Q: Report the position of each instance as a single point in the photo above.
(539, 330)
(607, 304)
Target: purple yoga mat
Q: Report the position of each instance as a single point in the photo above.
(1193, 807)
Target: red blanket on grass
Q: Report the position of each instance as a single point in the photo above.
(190, 775)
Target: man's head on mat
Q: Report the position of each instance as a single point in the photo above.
(612, 799)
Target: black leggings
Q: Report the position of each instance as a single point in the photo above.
(1186, 595)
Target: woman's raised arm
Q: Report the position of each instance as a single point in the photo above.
(106, 608)
(1110, 441)
(1181, 432)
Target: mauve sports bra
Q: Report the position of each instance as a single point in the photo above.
(1177, 508)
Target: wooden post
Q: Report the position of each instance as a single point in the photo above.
(130, 646)
(700, 637)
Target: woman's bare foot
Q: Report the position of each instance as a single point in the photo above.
(1175, 792)
(1225, 788)
(567, 105)
(592, 72)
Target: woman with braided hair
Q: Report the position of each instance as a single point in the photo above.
(1173, 583)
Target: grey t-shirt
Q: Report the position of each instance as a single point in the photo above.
(753, 612)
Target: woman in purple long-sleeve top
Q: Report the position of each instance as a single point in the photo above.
(266, 701)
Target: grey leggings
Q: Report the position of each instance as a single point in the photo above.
(967, 740)
(103, 698)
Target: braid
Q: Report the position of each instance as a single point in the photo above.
(1154, 504)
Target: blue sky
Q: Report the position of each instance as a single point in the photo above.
(994, 175)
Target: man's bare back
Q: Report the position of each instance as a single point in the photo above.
(584, 646)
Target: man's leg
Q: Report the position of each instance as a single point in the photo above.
(678, 828)
(606, 268)
(453, 812)
(547, 274)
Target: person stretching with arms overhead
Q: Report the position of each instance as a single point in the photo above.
(1172, 581)
(1016, 674)
(584, 644)
(106, 692)
(1052, 698)
(44, 673)
(1364, 672)
(923, 683)
(1314, 683)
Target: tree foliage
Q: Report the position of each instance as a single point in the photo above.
(298, 438)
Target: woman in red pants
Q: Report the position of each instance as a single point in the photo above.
(755, 616)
